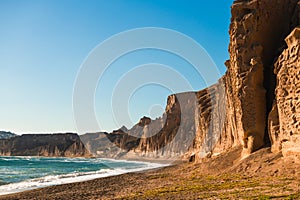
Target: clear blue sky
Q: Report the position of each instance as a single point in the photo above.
(44, 43)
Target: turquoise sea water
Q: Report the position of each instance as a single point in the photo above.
(23, 173)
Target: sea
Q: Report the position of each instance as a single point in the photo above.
(20, 173)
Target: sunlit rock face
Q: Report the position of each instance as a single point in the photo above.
(254, 105)
(236, 111)
(257, 33)
(284, 120)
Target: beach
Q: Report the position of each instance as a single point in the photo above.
(22, 173)
(262, 175)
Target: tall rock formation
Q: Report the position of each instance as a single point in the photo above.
(255, 104)
(244, 96)
(210, 119)
(168, 136)
(257, 32)
(284, 119)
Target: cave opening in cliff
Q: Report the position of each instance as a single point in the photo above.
(272, 49)
(269, 85)
(273, 40)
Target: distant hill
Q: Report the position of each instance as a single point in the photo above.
(6, 135)
(51, 145)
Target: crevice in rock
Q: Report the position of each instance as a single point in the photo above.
(273, 48)
(269, 85)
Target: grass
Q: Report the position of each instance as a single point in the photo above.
(232, 186)
(158, 176)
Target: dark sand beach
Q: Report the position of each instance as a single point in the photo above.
(262, 175)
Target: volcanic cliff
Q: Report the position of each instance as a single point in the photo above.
(256, 78)
(52, 145)
(255, 104)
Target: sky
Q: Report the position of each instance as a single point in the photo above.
(44, 44)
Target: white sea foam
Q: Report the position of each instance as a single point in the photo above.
(71, 178)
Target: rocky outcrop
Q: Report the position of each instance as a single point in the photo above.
(284, 120)
(103, 145)
(53, 145)
(210, 118)
(6, 135)
(255, 104)
(165, 137)
(257, 32)
(236, 110)
(169, 136)
(254, 44)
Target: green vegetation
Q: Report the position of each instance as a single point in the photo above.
(226, 186)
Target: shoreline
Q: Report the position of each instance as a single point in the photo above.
(74, 177)
(31, 193)
(262, 175)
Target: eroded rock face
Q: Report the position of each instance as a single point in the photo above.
(173, 134)
(235, 111)
(53, 145)
(244, 95)
(257, 30)
(166, 137)
(284, 120)
(98, 144)
(243, 107)
(210, 118)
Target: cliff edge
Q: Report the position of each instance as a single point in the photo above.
(52, 145)
(256, 104)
